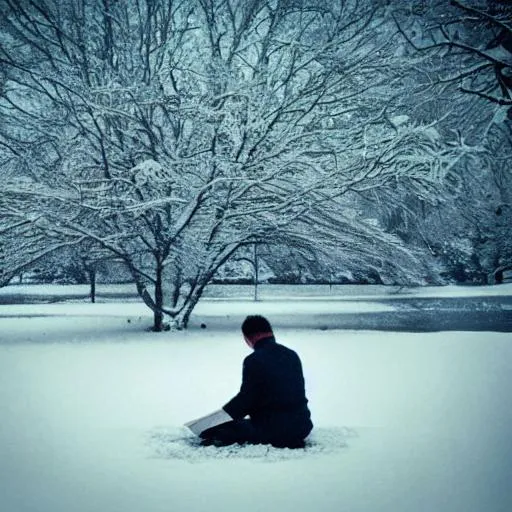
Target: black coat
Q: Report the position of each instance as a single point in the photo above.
(272, 394)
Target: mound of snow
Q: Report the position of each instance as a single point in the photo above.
(180, 444)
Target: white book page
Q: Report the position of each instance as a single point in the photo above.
(211, 420)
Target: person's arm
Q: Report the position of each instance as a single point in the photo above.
(241, 404)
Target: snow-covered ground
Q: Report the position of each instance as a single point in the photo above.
(270, 291)
(91, 408)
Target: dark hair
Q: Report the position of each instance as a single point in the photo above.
(254, 324)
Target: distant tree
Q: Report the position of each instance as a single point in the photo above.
(24, 243)
(485, 207)
(461, 79)
(469, 230)
(4, 275)
(471, 40)
(172, 134)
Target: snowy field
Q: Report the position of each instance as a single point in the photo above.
(91, 408)
(270, 291)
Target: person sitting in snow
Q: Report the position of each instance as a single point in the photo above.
(272, 395)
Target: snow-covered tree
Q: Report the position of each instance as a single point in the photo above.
(172, 134)
(471, 40)
(481, 216)
(460, 53)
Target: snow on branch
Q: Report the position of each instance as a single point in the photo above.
(173, 136)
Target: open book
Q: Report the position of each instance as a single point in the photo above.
(209, 421)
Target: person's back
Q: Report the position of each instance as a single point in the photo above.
(272, 394)
(278, 407)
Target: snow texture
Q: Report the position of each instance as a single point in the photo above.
(93, 408)
(178, 443)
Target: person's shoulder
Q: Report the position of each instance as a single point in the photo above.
(284, 348)
(287, 351)
(250, 359)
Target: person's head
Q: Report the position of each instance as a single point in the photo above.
(255, 328)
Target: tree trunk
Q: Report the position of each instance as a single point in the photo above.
(92, 282)
(180, 321)
(256, 272)
(158, 315)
